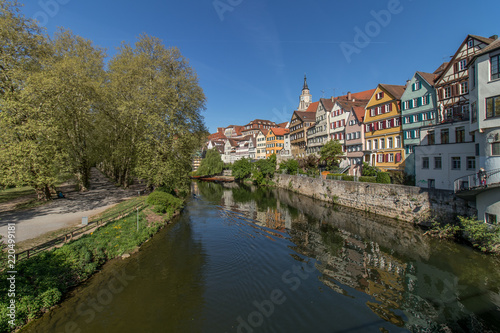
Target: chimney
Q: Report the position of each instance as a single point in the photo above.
(348, 95)
(407, 83)
(333, 99)
(495, 37)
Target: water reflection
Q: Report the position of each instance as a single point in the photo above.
(411, 281)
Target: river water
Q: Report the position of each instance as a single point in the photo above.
(257, 260)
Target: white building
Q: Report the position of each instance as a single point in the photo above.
(484, 97)
(446, 152)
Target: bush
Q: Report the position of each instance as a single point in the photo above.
(290, 167)
(481, 235)
(242, 169)
(369, 170)
(368, 179)
(383, 178)
(348, 178)
(163, 202)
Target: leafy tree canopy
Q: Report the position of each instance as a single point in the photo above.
(212, 164)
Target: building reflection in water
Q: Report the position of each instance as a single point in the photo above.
(361, 252)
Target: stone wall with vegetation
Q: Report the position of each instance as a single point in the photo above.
(407, 203)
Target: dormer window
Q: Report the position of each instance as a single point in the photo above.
(379, 95)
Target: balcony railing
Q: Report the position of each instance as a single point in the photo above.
(472, 182)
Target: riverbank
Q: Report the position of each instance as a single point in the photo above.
(406, 203)
(42, 281)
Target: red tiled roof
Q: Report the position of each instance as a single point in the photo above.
(440, 69)
(428, 77)
(327, 104)
(216, 136)
(394, 90)
(283, 125)
(359, 111)
(306, 115)
(279, 131)
(313, 107)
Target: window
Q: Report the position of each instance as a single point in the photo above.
(493, 107)
(445, 136)
(430, 138)
(380, 95)
(462, 64)
(406, 105)
(382, 143)
(495, 149)
(417, 85)
(455, 163)
(459, 134)
(426, 99)
(494, 65)
(391, 158)
(380, 158)
(447, 92)
(375, 144)
(490, 218)
(424, 116)
(425, 163)
(398, 143)
(471, 163)
(369, 145)
(464, 87)
(431, 183)
(437, 162)
(470, 43)
(389, 143)
(416, 102)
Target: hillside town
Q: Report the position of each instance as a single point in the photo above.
(442, 128)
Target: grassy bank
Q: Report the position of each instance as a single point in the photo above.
(42, 281)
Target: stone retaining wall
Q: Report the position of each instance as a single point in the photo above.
(407, 203)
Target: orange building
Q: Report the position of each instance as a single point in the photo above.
(383, 134)
(275, 140)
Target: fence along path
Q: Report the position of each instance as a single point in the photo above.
(94, 224)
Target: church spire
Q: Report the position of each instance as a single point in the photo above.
(305, 83)
(305, 97)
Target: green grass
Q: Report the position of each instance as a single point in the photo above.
(44, 279)
(122, 206)
(14, 193)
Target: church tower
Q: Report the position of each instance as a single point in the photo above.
(305, 97)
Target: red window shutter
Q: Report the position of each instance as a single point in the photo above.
(390, 107)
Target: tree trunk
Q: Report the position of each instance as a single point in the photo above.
(43, 192)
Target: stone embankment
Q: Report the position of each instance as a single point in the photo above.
(407, 203)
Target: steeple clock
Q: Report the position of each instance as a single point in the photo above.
(305, 97)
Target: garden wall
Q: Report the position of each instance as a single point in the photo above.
(407, 203)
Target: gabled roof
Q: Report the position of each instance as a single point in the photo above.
(264, 131)
(359, 111)
(216, 136)
(428, 77)
(492, 47)
(313, 107)
(394, 90)
(279, 130)
(327, 104)
(284, 125)
(362, 95)
(482, 39)
(306, 115)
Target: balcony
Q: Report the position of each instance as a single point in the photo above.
(469, 186)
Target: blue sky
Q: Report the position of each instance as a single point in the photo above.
(251, 55)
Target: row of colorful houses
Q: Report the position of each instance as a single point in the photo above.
(441, 127)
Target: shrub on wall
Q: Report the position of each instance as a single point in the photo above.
(164, 202)
(383, 178)
(368, 179)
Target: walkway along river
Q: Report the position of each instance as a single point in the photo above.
(258, 260)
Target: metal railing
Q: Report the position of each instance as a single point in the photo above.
(67, 237)
(472, 181)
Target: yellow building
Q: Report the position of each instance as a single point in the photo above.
(275, 140)
(383, 134)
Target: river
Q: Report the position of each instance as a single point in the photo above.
(249, 260)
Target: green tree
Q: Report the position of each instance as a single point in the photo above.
(29, 153)
(330, 153)
(242, 169)
(157, 104)
(290, 166)
(369, 170)
(212, 164)
(68, 91)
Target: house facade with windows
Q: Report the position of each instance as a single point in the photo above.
(446, 153)
(275, 140)
(261, 144)
(336, 124)
(355, 136)
(452, 85)
(418, 109)
(300, 122)
(317, 135)
(484, 95)
(383, 132)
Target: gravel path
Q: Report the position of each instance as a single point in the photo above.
(63, 213)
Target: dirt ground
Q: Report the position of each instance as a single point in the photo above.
(64, 214)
